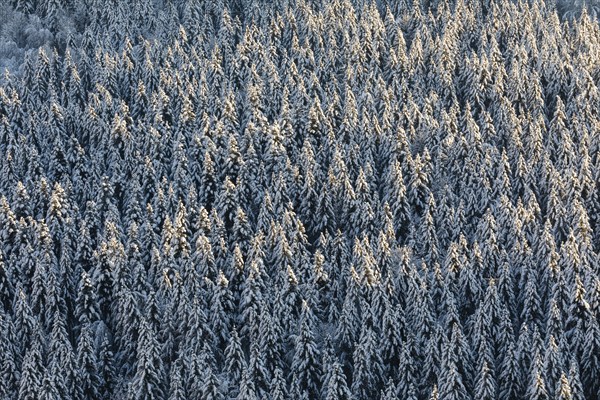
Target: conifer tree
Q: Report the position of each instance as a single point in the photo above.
(62, 368)
(367, 363)
(30, 385)
(335, 384)
(451, 380)
(536, 388)
(234, 358)
(87, 376)
(306, 367)
(147, 382)
(176, 387)
(485, 387)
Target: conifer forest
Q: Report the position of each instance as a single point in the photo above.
(299, 199)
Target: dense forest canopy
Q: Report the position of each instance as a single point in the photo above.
(27, 25)
(320, 199)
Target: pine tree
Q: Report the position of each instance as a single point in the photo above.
(278, 386)
(305, 367)
(30, 385)
(87, 374)
(8, 366)
(176, 386)
(61, 371)
(510, 375)
(574, 381)
(270, 340)
(128, 328)
(553, 365)
(451, 381)
(86, 308)
(234, 358)
(407, 383)
(210, 385)
(107, 366)
(335, 384)
(247, 389)
(221, 306)
(591, 358)
(148, 380)
(391, 342)
(368, 366)
(485, 387)
(250, 301)
(563, 388)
